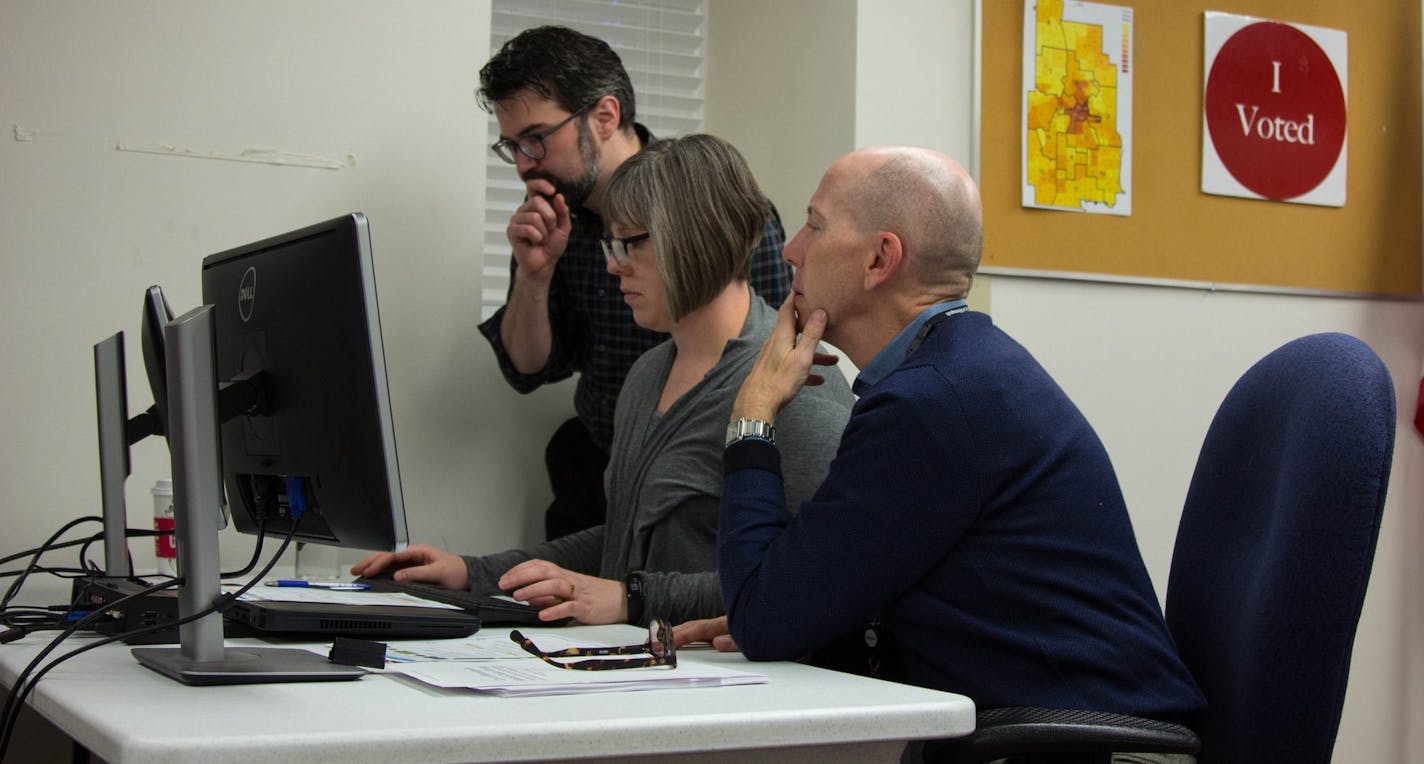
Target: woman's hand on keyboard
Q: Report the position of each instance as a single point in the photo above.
(561, 593)
(421, 563)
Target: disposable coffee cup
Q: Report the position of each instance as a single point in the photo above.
(165, 547)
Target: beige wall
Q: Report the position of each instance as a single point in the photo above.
(780, 86)
(384, 89)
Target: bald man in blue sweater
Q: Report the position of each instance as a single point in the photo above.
(971, 513)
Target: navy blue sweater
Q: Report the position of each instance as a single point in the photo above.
(974, 508)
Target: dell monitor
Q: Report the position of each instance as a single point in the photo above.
(301, 308)
(276, 388)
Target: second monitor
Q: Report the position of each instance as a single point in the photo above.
(301, 308)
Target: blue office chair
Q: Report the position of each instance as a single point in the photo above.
(1268, 576)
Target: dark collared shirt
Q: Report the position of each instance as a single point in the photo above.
(593, 329)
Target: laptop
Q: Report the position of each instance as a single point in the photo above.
(297, 619)
(490, 609)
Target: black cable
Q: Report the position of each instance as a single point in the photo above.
(129, 532)
(60, 572)
(27, 618)
(146, 533)
(257, 551)
(16, 698)
(99, 537)
(28, 552)
(39, 551)
(22, 620)
(56, 620)
(94, 570)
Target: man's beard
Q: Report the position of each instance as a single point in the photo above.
(576, 191)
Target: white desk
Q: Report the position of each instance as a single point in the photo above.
(123, 712)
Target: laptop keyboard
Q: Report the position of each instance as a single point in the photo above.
(491, 610)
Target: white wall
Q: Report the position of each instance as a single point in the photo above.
(386, 89)
(781, 87)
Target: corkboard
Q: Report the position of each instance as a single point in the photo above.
(1371, 245)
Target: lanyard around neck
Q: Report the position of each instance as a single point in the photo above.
(929, 326)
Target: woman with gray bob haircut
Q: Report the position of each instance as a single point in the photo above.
(684, 215)
(702, 208)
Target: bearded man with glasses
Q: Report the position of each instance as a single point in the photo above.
(566, 115)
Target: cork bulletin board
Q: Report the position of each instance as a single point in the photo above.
(1371, 245)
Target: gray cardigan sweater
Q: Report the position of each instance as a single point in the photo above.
(664, 478)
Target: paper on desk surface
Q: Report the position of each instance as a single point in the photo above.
(494, 664)
(517, 678)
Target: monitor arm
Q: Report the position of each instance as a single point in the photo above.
(246, 394)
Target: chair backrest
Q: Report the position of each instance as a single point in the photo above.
(1275, 547)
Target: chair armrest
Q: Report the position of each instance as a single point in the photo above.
(1046, 734)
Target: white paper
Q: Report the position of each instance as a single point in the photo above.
(534, 677)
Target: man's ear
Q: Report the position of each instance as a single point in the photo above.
(886, 260)
(604, 116)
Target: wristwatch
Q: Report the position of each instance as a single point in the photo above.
(741, 429)
(634, 584)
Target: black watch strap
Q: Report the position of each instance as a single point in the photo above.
(634, 584)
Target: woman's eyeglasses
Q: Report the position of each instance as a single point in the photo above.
(657, 651)
(617, 249)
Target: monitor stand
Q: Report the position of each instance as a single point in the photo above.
(110, 394)
(193, 440)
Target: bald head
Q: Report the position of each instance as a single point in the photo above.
(927, 200)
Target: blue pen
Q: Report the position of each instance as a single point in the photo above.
(295, 583)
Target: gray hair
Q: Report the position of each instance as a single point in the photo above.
(936, 214)
(702, 207)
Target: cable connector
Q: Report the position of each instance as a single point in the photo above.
(296, 496)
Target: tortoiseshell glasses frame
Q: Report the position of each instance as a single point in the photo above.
(657, 651)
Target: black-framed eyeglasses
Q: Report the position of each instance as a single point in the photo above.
(617, 249)
(531, 145)
(657, 651)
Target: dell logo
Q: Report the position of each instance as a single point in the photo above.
(247, 294)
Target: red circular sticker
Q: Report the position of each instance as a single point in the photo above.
(1275, 110)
